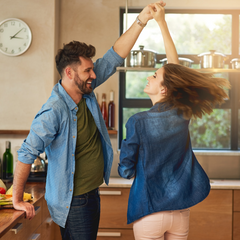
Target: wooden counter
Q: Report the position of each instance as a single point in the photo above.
(10, 217)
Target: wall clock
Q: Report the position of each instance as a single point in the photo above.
(15, 37)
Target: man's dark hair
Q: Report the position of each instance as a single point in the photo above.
(70, 54)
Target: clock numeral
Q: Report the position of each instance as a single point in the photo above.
(12, 51)
(24, 44)
(27, 37)
(1, 30)
(20, 24)
(6, 49)
(25, 29)
(1, 44)
(19, 49)
(13, 23)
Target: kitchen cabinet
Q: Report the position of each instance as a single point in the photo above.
(210, 219)
(236, 215)
(113, 221)
(41, 227)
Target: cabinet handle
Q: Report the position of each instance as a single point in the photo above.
(49, 221)
(115, 193)
(37, 209)
(109, 234)
(35, 236)
(17, 228)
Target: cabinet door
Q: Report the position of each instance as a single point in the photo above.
(236, 201)
(212, 218)
(114, 203)
(115, 234)
(236, 225)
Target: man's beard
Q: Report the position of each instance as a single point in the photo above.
(82, 86)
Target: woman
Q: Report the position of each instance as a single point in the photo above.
(157, 151)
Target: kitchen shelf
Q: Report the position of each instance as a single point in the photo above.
(209, 70)
(26, 132)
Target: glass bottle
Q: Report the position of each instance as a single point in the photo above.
(104, 109)
(7, 162)
(111, 112)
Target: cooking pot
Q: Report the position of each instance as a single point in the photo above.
(38, 168)
(235, 63)
(183, 61)
(212, 59)
(141, 58)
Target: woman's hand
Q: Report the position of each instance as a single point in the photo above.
(158, 11)
(145, 15)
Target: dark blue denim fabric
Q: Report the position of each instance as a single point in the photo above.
(157, 152)
(83, 219)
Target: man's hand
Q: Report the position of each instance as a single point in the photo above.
(157, 12)
(27, 207)
(145, 15)
(21, 173)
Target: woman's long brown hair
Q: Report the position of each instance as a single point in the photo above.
(193, 93)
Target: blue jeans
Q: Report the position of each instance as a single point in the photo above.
(83, 218)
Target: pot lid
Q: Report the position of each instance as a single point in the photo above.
(141, 49)
(180, 59)
(212, 52)
(235, 60)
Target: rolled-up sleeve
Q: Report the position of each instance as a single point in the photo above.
(43, 131)
(106, 66)
(129, 150)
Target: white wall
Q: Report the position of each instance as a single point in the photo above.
(26, 81)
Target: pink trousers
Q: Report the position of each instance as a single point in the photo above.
(166, 225)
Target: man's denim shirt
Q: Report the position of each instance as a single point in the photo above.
(54, 130)
(157, 152)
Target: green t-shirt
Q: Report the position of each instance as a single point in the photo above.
(89, 162)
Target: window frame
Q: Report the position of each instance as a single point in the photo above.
(233, 103)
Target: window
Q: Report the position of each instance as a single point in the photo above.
(193, 32)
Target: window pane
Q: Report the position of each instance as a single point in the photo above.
(135, 84)
(127, 113)
(192, 33)
(212, 131)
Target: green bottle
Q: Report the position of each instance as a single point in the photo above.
(7, 162)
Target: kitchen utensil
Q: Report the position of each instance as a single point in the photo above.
(141, 58)
(212, 59)
(38, 168)
(183, 61)
(235, 63)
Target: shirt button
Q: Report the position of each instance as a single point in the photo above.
(72, 172)
(72, 154)
(74, 120)
(66, 206)
(75, 108)
(73, 136)
(70, 190)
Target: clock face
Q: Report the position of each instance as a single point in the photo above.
(15, 37)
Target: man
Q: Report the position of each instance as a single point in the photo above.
(70, 129)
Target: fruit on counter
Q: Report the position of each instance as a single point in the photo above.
(2, 190)
(3, 185)
(26, 196)
(9, 191)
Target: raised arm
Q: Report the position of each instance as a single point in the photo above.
(158, 13)
(127, 40)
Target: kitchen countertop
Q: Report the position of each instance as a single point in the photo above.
(9, 217)
(215, 184)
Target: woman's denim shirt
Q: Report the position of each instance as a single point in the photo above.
(157, 152)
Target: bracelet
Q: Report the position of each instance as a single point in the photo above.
(140, 23)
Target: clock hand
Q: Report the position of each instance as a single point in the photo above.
(16, 34)
(16, 37)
